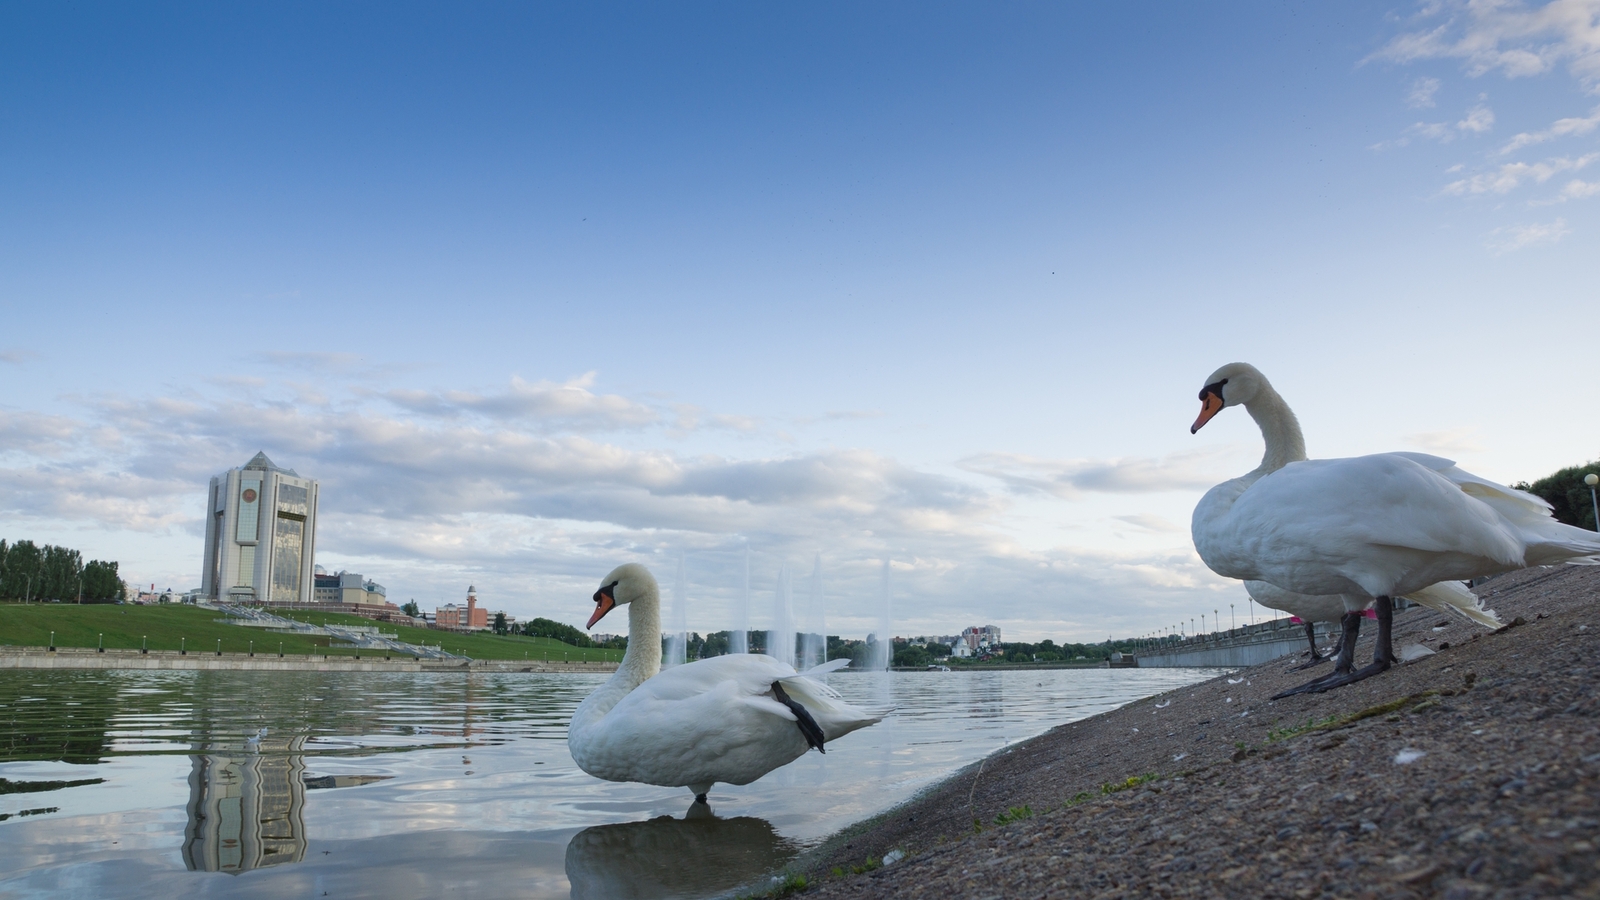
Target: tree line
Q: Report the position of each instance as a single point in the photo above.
(30, 573)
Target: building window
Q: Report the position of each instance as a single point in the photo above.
(247, 566)
(287, 546)
(249, 511)
(293, 500)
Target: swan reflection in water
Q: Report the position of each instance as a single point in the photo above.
(695, 856)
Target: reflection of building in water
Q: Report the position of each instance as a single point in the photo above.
(247, 810)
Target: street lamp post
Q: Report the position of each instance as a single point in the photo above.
(52, 646)
(1591, 480)
(1232, 622)
(100, 643)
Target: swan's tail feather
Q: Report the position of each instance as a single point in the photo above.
(1453, 597)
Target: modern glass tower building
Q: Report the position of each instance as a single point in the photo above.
(260, 535)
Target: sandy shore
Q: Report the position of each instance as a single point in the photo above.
(1474, 772)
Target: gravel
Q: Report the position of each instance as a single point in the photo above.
(1471, 772)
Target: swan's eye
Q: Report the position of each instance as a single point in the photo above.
(1213, 388)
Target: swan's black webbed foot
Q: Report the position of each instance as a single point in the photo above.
(808, 726)
(1382, 657)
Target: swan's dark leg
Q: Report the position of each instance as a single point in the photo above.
(701, 798)
(1316, 659)
(1382, 655)
(1344, 661)
(808, 726)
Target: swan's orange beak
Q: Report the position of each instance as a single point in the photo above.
(1210, 405)
(604, 603)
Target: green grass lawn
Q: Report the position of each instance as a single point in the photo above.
(172, 627)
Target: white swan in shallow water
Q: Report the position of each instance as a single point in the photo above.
(1368, 528)
(729, 718)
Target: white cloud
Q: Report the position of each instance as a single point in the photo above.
(570, 403)
(1421, 94)
(1512, 38)
(1069, 478)
(16, 357)
(1579, 190)
(1560, 128)
(1449, 442)
(1510, 176)
(1479, 119)
(1148, 522)
(1516, 237)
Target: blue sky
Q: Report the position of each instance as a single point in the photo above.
(534, 290)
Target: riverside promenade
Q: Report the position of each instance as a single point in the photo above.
(81, 658)
(1473, 771)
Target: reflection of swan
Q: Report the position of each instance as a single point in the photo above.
(696, 856)
(1369, 528)
(730, 718)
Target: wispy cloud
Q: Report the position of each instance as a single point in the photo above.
(1515, 237)
(17, 357)
(569, 403)
(1558, 129)
(1509, 176)
(1449, 441)
(1477, 120)
(1421, 94)
(1070, 478)
(1512, 38)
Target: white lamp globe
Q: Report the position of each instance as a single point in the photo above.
(1591, 479)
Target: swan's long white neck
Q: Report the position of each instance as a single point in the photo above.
(639, 664)
(1279, 429)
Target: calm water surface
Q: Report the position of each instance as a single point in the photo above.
(161, 784)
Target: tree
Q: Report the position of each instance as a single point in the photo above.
(101, 582)
(500, 623)
(1566, 492)
(411, 609)
(549, 628)
(912, 657)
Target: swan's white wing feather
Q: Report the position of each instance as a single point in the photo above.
(1453, 597)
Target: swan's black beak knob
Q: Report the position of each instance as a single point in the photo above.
(604, 603)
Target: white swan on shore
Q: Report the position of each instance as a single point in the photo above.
(1367, 528)
(729, 719)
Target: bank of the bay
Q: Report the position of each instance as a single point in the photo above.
(1472, 772)
(77, 658)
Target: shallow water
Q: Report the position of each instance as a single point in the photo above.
(416, 785)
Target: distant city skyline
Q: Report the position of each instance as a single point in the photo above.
(533, 291)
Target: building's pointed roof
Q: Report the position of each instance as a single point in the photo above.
(260, 461)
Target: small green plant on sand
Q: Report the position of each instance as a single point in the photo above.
(1079, 797)
(793, 883)
(1289, 731)
(1014, 814)
(1132, 782)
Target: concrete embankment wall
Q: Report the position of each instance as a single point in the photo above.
(76, 658)
(1243, 647)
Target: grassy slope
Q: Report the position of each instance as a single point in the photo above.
(124, 626)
